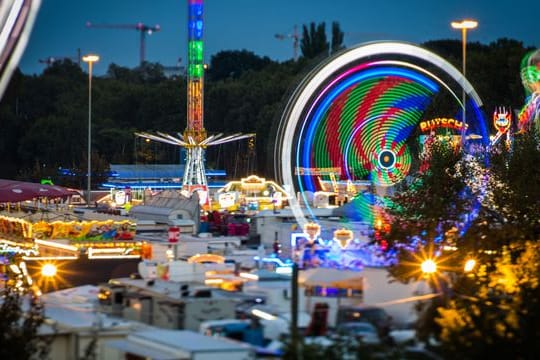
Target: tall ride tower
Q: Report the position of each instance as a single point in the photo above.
(195, 138)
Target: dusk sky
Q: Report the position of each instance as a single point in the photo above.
(251, 24)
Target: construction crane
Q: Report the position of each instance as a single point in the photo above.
(295, 38)
(140, 27)
(48, 61)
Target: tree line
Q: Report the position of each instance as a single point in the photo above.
(45, 117)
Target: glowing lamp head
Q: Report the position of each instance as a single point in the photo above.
(428, 266)
(48, 270)
(343, 237)
(469, 265)
(90, 58)
(312, 230)
(464, 24)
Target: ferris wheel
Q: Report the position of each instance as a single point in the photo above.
(366, 112)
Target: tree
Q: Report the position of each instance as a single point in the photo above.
(337, 38)
(21, 314)
(232, 64)
(314, 41)
(243, 92)
(500, 313)
(514, 170)
(145, 73)
(492, 69)
(430, 205)
(493, 311)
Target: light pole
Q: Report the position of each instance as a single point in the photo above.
(90, 59)
(464, 25)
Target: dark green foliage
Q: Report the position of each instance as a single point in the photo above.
(22, 313)
(518, 202)
(493, 69)
(432, 203)
(44, 118)
(493, 311)
(146, 73)
(314, 41)
(337, 38)
(232, 64)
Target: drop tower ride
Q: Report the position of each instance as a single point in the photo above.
(194, 138)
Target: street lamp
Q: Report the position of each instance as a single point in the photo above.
(469, 266)
(428, 266)
(90, 59)
(464, 25)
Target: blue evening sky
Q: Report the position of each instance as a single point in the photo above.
(251, 24)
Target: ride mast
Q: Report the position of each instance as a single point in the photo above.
(194, 138)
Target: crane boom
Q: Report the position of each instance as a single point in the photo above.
(48, 61)
(295, 38)
(140, 27)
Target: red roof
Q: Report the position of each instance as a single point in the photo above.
(15, 191)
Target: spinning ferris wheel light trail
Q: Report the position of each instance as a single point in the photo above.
(360, 111)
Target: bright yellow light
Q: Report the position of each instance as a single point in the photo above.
(249, 276)
(90, 58)
(464, 24)
(429, 266)
(263, 314)
(48, 270)
(213, 281)
(469, 265)
(15, 268)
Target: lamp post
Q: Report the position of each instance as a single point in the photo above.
(464, 25)
(90, 59)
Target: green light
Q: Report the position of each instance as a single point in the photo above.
(195, 70)
(195, 51)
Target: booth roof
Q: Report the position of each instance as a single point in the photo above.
(15, 191)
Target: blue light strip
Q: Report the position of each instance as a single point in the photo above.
(155, 185)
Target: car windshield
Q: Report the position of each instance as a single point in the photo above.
(371, 315)
(359, 327)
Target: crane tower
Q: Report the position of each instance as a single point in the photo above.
(195, 138)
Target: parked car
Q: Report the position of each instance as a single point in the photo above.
(365, 332)
(376, 316)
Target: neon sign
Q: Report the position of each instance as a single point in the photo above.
(429, 125)
(6, 248)
(502, 119)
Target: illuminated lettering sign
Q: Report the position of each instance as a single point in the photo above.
(317, 171)
(6, 248)
(429, 125)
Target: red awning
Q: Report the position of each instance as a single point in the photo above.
(15, 191)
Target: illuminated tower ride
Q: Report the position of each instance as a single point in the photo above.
(194, 138)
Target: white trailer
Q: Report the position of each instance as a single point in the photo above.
(177, 344)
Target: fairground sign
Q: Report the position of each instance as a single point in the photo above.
(430, 125)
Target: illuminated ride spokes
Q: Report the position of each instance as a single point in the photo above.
(360, 112)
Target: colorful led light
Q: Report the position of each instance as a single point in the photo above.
(530, 77)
